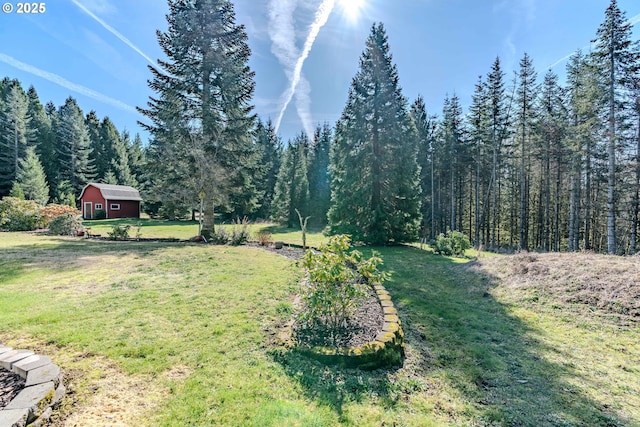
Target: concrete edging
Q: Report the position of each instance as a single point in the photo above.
(386, 349)
(42, 391)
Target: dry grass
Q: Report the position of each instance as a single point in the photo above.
(608, 284)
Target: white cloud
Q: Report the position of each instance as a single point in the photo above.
(113, 30)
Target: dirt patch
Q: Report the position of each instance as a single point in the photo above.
(360, 328)
(609, 284)
(98, 393)
(10, 385)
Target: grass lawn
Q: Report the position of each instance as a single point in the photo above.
(177, 334)
(185, 230)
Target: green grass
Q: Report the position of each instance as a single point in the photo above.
(184, 230)
(142, 311)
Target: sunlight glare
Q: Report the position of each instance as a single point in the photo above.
(351, 9)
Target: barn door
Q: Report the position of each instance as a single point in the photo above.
(88, 210)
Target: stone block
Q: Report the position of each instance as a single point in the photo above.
(43, 374)
(30, 397)
(385, 337)
(9, 358)
(389, 310)
(14, 417)
(390, 327)
(386, 303)
(384, 297)
(391, 318)
(27, 364)
(4, 349)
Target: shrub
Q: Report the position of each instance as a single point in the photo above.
(100, 214)
(220, 237)
(54, 210)
(65, 224)
(336, 288)
(239, 232)
(453, 243)
(19, 215)
(119, 232)
(264, 237)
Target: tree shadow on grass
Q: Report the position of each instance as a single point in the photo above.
(335, 386)
(459, 335)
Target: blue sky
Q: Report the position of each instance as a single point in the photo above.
(98, 50)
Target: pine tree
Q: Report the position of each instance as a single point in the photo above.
(15, 133)
(270, 149)
(425, 126)
(292, 187)
(618, 59)
(41, 131)
(201, 120)
(31, 178)
(374, 174)
(526, 94)
(318, 173)
(74, 149)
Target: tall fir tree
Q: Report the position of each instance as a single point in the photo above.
(618, 60)
(292, 187)
(526, 94)
(202, 120)
(42, 133)
(318, 173)
(270, 150)
(31, 178)
(15, 133)
(374, 173)
(425, 125)
(74, 150)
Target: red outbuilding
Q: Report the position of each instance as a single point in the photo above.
(117, 201)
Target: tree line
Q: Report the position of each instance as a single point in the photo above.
(532, 163)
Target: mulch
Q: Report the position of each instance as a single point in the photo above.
(360, 328)
(10, 385)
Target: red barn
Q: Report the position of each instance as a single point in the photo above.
(117, 201)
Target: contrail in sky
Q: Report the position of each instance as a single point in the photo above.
(632, 21)
(60, 81)
(295, 76)
(114, 32)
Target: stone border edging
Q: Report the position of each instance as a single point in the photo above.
(43, 388)
(385, 350)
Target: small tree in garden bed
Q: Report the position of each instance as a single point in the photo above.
(338, 279)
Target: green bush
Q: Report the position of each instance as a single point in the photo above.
(220, 237)
(65, 225)
(240, 232)
(336, 288)
(19, 215)
(453, 243)
(100, 214)
(119, 232)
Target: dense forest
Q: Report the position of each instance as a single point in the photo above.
(533, 164)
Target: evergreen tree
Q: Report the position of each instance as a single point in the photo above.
(41, 130)
(618, 60)
(201, 120)
(102, 158)
(318, 173)
(292, 187)
(137, 161)
(74, 149)
(425, 126)
(525, 97)
(120, 162)
(374, 175)
(31, 178)
(47, 150)
(15, 133)
(270, 149)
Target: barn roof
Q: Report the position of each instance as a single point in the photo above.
(115, 192)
